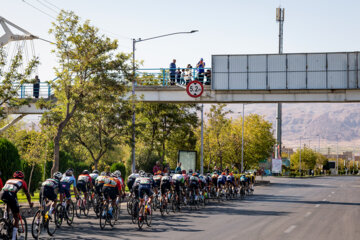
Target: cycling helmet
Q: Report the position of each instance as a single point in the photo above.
(85, 172)
(183, 171)
(194, 174)
(69, 172)
(141, 173)
(158, 172)
(96, 171)
(178, 172)
(108, 174)
(223, 173)
(18, 174)
(103, 174)
(117, 173)
(57, 175)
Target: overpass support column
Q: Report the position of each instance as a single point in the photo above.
(3, 129)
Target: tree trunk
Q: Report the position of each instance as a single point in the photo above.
(31, 173)
(96, 165)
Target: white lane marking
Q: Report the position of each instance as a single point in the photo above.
(329, 195)
(308, 214)
(332, 192)
(289, 229)
(324, 199)
(317, 205)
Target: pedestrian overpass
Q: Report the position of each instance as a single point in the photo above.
(259, 78)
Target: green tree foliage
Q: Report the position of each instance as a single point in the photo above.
(9, 159)
(12, 76)
(308, 159)
(119, 166)
(33, 175)
(88, 62)
(165, 128)
(223, 139)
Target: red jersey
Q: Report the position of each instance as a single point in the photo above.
(84, 178)
(112, 182)
(15, 185)
(1, 184)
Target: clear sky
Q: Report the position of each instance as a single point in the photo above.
(225, 27)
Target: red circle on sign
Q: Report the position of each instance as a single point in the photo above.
(194, 89)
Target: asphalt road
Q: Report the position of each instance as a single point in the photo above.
(318, 208)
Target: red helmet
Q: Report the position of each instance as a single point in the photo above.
(183, 171)
(18, 174)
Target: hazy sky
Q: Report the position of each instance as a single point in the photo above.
(225, 27)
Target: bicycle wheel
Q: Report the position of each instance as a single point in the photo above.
(86, 207)
(167, 207)
(59, 216)
(148, 216)
(135, 212)
(140, 221)
(36, 225)
(78, 206)
(103, 216)
(70, 213)
(118, 212)
(129, 206)
(22, 230)
(162, 208)
(51, 224)
(5, 229)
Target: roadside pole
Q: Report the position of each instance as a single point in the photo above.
(202, 139)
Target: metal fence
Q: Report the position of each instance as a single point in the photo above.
(33, 91)
(286, 71)
(164, 76)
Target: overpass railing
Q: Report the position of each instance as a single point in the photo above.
(164, 77)
(29, 90)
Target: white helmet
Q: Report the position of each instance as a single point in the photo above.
(117, 173)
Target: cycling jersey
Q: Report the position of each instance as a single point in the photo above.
(100, 180)
(51, 183)
(144, 186)
(15, 185)
(9, 193)
(1, 184)
(221, 179)
(65, 184)
(84, 178)
(178, 178)
(93, 176)
(49, 189)
(112, 182)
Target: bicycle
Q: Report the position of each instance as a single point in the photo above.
(105, 216)
(164, 204)
(6, 226)
(82, 205)
(147, 215)
(42, 221)
(65, 211)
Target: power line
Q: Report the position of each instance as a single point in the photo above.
(52, 4)
(47, 7)
(38, 9)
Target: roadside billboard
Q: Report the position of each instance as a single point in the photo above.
(276, 166)
(187, 159)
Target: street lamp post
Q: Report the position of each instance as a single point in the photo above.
(242, 140)
(133, 88)
(300, 157)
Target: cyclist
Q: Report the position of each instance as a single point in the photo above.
(144, 187)
(221, 182)
(165, 186)
(111, 189)
(194, 184)
(49, 190)
(66, 181)
(99, 183)
(130, 182)
(9, 196)
(178, 180)
(117, 174)
(94, 176)
(1, 182)
(84, 184)
(230, 182)
(157, 180)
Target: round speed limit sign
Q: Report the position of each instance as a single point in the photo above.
(195, 89)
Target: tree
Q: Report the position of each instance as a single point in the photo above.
(13, 78)
(308, 159)
(9, 158)
(87, 62)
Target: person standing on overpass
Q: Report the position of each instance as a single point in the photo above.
(173, 72)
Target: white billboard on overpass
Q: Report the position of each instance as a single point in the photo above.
(286, 71)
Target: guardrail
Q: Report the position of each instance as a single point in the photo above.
(41, 90)
(167, 76)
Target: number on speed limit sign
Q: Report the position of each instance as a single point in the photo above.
(194, 89)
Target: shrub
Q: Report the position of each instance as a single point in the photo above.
(119, 166)
(36, 176)
(9, 159)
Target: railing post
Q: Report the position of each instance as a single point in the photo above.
(163, 77)
(21, 91)
(49, 90)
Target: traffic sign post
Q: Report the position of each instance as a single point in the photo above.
(195, 89)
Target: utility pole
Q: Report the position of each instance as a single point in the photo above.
(280, 16)
(242, 139)
(337, 156)
(202, 139)
(300, 158)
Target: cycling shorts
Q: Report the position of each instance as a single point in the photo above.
(145, 188)
(65, 188)
(130, 183)
(82, 187)
(219, 183)
(165, 186)
(110, 192)
(99, 188)
(47, 192)
(10, 198)
(157, 183)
